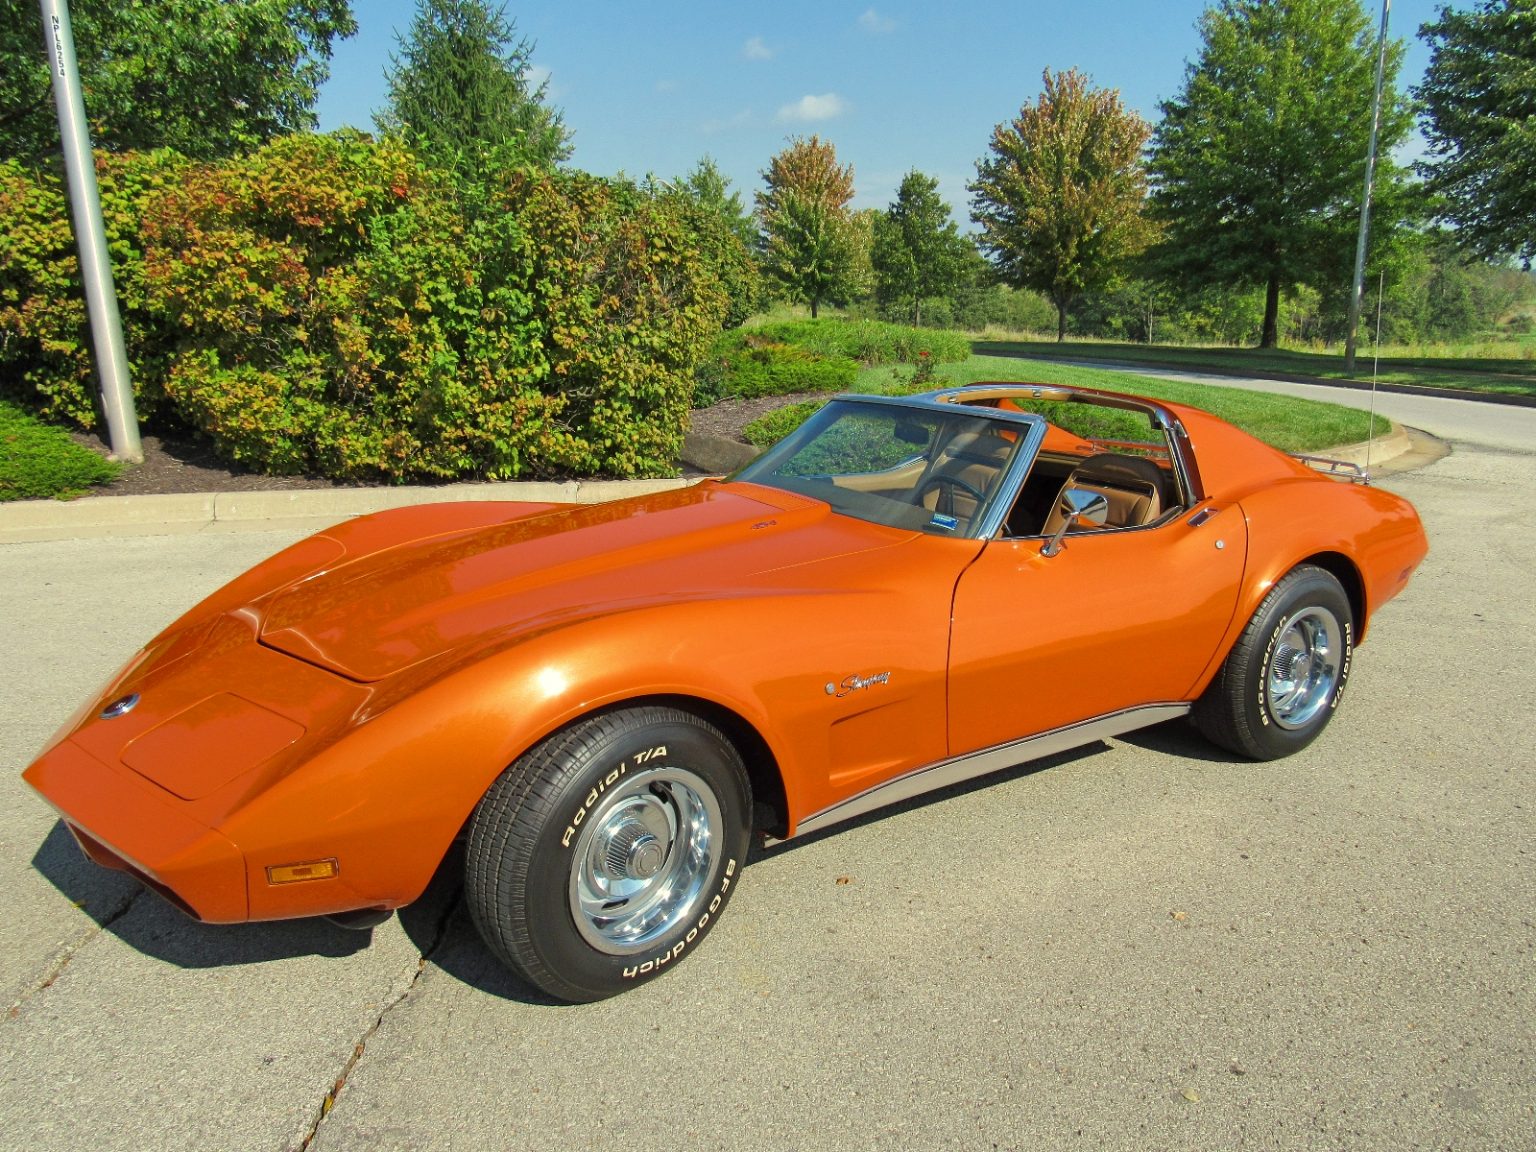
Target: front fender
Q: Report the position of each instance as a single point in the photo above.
(388, 798)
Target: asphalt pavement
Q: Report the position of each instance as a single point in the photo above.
(1142, 945)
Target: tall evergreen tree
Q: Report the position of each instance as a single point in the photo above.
(1479, 98)
(205, 77)
(462, 88)
(724, 234)
(812, 244)
(1259, 161)
(711, 190)
(918, 252)
(1059, 200)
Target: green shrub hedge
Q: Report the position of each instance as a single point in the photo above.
(822, 355)
(768, 429)
(327, 304)
(755, 366)
(870, 342)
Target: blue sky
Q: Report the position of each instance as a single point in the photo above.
(652, 87)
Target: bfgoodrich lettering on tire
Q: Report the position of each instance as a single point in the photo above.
(1284, 677)
(605, 854)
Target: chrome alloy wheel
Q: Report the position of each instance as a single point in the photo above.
(1304, 667)
(644, 855)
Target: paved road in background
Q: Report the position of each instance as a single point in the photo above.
(1481, 426)
(1140, 946)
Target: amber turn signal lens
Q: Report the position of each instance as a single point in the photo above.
(308, 870)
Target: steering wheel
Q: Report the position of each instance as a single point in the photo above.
(942, 482)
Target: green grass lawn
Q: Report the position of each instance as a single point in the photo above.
(39, 461)
(1289, 424)
(1514, 375)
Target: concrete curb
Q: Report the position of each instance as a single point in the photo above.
(27, 521)
(1375, 453)
(33, 520)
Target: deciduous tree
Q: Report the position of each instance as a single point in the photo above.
(205, 77)
(1258, 163)
(1479, 98)
(918, 252)
(811, 242)
(463, 90)
(1059, 199)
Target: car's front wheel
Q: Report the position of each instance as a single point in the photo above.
(605, 854)
(1283, 679)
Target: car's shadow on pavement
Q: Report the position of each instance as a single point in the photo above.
(439, 924)
(147, 923)
(1172, 738)
(1180, 738)
(762, 851)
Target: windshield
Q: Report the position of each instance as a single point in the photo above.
(905, 465)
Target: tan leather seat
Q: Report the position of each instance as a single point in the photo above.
(968, 468)
(1138, 491)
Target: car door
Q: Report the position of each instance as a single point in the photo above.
(1114, 620)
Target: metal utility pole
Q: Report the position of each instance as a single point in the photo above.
(1355, 290)
(91, 236)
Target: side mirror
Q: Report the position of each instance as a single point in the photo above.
(1080, 508)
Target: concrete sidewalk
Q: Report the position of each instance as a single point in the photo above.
(33, 520)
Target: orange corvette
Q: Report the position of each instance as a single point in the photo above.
(606, 700)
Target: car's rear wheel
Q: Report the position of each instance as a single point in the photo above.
(1283, 679)
(606, 853)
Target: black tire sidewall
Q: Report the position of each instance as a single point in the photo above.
(1305, 588)
(590, 973)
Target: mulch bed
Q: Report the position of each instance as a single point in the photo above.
(177, 463)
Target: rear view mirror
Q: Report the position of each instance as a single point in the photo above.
(911, 433)
(1084, 508)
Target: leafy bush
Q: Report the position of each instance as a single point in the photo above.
(39, 462)
(327, 304)
(627, 310)
(870, 342)
(45, 347)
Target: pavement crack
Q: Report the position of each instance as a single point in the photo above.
(62, 960)
(439, 934)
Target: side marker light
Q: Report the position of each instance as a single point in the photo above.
(307, 870)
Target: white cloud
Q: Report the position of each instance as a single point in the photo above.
(666, 85)
(814, 108)
(535, 75)
(715, 126)
(872, 21)
(756, 49)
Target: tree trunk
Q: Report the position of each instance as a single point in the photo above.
(917, 312)
(1270, 337)
(1061, 319)
(814, 303)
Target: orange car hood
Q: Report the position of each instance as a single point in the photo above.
(373, 616)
